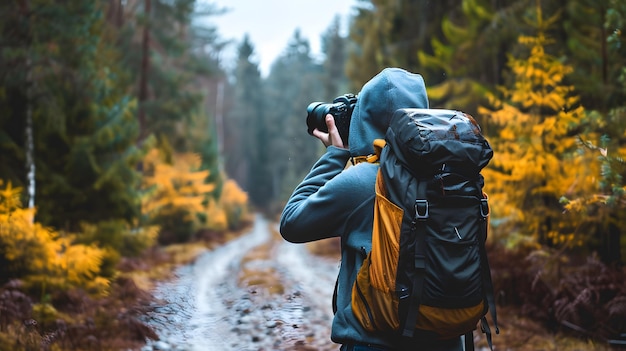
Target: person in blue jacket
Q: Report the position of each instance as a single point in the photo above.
(335, 201)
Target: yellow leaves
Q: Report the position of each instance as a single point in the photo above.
(535, 161)
(179, 198)
(79, 262)
(509, 117)
(230, 210)
(580, 205)
(560, 239)
(232, 195)
(216, 216)
(175, 188)
(42, 257)
(9, 198)
(20, 237)
(235, 202)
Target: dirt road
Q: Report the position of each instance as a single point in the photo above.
(257, 292)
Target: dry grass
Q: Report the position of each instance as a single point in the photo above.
(158, 263)
(518, 333)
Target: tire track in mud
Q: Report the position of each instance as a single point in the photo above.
(256, 292)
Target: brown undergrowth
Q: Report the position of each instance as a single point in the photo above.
(73, 320)
(546, 302)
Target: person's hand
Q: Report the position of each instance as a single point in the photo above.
(332, 137)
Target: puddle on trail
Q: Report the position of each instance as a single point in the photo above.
(255, 293)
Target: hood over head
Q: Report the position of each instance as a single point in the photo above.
(380, 97)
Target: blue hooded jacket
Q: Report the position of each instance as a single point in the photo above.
(335, 201)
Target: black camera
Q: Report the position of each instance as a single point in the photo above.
(341, 108)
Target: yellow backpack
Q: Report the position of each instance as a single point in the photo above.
(427, 271)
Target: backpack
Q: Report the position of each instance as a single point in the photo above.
(427, 271)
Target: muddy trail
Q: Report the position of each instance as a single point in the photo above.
(256, 292)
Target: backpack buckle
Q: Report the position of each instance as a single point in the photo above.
(484, 208)
(421, 210)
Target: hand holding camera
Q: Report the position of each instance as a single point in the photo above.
(341, 111)
(332, 137)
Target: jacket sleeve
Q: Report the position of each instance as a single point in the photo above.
(318, 206)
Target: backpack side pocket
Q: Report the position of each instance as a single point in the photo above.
(374, 297)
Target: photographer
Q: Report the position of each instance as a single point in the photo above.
(333, 201)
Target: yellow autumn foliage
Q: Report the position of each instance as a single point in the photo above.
(180, 201)
(234, 201)
(217, 218)
(41, 257)
(535, 161)
(602, 209)
(174, 188)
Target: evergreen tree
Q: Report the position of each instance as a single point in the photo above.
(177, 62)
(90, 169)
(183, 57)
(248, 129)
(468, 61)
(389, 33)
(293, 83)
(603, 211)
(334, 46)
(534, 165)
(83, 125)
(598, 64)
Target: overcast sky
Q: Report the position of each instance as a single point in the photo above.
(271, 23)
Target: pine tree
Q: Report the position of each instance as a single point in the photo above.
(170, 94)
(389, 33)
(247, 126)
(83, 126)
(598, 64)
(335, 47)
(293, 83)
(183, 56)
(602, 212)
(534, 165)
(469, 58)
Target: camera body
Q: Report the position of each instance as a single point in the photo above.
(341, 108)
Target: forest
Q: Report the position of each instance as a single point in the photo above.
(123, 132)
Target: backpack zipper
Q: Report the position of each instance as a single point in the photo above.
(366, 305)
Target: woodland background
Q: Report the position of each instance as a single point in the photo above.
(121, 132)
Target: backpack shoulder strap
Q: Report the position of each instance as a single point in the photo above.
(379, 144)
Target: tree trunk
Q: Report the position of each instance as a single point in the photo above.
(115, 13)
(611, 246)
(219, 120)
(145, 68)
(29, 141)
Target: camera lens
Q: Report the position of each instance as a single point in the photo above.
(316, 116)
(341, 110)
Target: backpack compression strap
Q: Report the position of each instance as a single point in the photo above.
(418, 229)
(418, 223)
(486, 276)
(487, 284)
